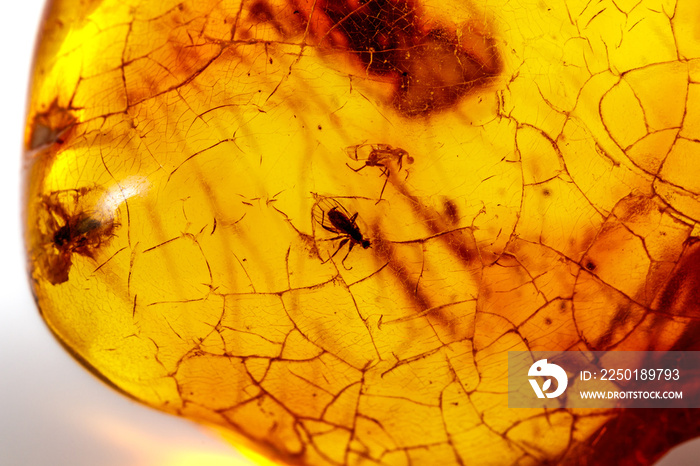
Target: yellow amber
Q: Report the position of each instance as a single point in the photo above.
(321, 225)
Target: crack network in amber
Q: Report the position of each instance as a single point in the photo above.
(321, 225)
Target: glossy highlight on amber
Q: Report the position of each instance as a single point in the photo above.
(321, 225)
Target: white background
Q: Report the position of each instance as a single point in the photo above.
(53, 412)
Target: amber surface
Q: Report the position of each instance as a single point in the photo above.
(321, 225)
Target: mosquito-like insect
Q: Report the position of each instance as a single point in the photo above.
(333, 217)
(378, 155)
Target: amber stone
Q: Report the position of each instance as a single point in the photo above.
(321, 225)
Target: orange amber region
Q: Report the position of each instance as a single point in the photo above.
(321, 226)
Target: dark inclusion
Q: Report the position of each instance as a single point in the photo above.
(429, 67)
(70, 230)
(49, 126)
(78, 234)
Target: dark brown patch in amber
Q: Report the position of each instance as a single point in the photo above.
(262, 12)
(451, 211)
(680, 295)
(49, 126)
(68, 228)
(427, 65)
(631, 431)
(438, 73)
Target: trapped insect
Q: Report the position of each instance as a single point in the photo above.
(78, 233)
(333, 217)
(68, 229)
(378, 155)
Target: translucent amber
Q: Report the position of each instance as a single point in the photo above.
(321, 225)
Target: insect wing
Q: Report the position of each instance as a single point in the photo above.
(320, 211)
(360, 152)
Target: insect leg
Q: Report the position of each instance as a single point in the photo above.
(356, 170)
(383, 187)
(342, 243)
(334, 238)
(352, 244)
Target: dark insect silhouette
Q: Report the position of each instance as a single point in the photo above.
(378, 155)
(333, 217)
(81, 233)
(69, 230)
